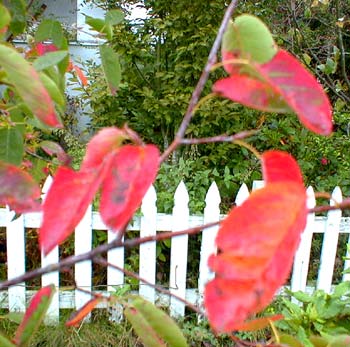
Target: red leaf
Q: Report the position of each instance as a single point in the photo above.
(132, 171)
(34, 315)
(79, 315)
(18, 189)
(53, 148)
(251, 92)
(256, 245)
(80, 75)
(65, 204)
(300, 90)
(281, 80)
(278, 166)
(103, 143)
(258, 323)
(42, 48)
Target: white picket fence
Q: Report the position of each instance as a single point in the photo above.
(16, 297)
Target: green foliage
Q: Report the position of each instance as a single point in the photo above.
(320, 314)
(161, 60)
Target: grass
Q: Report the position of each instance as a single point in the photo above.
(100, 332)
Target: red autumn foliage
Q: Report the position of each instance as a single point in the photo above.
(256, 245)
(65, 204)
(123, 172)
(277, 85)
(18, 189)
(79, 315)
(41, 297)
(42, 48)
(132, 171)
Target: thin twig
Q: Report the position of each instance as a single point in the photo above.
(72, 260)
(201, 83)
(105, 263)
(220, 138)
(344, 205)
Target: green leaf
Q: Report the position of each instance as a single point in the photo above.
(248, 37)
(11, 145)
(111, 68)
(301, 296)
(34, 315)
(52, 88)
(100, 25)
(50, 29)
(28, 85)
(114, 17)
(5, 17)
(290, 341)
(154, 327)
(341, 289)
(18, 12)
(49, 59)
(15, 317)
(5, 342)
(17, 117)
(319, 341)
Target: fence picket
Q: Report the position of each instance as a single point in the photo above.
(179, 249)
(83, 270)
(346, 276)
(115, 257)
(302, 256)
(211, 214)
(15, 243)
(115, 278)
(329, 244)
(242, 195)
(148, 227)
(52, 316)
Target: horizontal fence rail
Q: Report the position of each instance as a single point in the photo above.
(148, 223)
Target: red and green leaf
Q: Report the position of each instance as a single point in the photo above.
(154, 327)
(131, 172)
(80, 314)
(270, 79)
(283, 85)
(34, 315)
(18, 189)
(247, 37)
(66, 203)
(53, 148)
(28, 85)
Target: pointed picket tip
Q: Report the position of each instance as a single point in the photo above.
(213, 195)
(311, 200)
(337, 196)
(242, 194)
(257, 184)
(181, 193)
(150, 196)
(47, 185)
